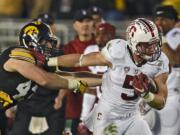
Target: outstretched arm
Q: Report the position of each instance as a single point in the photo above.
(78, 60)
(91, 79)
(80, 74)
(40, 76)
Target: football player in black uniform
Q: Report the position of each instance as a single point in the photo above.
(23, 70)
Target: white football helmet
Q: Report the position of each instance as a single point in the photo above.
(144, 39)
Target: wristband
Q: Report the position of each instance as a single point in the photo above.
(73, 84)
(80, 60)
(53, 61)
(163, 38)
(149, 97)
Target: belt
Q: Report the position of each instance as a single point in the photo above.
(123, 116)
(126, 116)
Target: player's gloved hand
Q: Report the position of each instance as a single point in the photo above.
(82, 87)
(142, 84)
(77, 86)
(40, 58)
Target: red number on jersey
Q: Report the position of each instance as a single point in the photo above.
(128, 85)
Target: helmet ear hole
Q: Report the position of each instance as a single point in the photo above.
(27, 39)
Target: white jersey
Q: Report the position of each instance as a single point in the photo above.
(173, 38)
(116, 85)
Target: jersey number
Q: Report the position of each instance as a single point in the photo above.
(24, 88)
(128, 85)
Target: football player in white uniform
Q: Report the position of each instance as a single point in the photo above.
(166, 18)
(137, 69)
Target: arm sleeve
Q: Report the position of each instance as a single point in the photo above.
(113, 51)
(165, 65)
(22, 54)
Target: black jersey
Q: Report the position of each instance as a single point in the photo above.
(42, 101)
(13, 86)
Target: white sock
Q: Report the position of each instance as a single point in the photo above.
(88, 103)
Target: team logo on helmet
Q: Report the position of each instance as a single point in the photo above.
(132, 30)
(31, 31)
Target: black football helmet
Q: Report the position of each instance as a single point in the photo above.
(37, 36)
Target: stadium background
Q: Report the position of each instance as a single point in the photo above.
(117, 12)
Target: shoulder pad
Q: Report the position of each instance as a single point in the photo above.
(22, 54)
(114, 50)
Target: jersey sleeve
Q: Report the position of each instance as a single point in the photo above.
(164, 68)
(173, 38)
(114, 51)
(22, 54)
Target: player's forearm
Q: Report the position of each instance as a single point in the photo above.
(160, 97)
(158, 102)
(71, 60)
(56, 82)
(80, 74)
(79, 60)
(157, 91)
(91, 79)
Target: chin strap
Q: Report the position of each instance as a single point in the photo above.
(40, 58)
(140, 64)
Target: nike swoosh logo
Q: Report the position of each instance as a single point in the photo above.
(140, 90)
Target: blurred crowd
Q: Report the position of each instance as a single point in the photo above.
(64, 9)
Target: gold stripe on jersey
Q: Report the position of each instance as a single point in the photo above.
(22, 54)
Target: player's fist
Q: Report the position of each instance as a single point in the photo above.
(82, 87)
(142, 84)
(77, 86)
